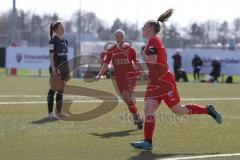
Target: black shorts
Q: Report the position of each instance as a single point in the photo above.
(62, 71)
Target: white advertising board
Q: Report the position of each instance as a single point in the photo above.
(30, 57)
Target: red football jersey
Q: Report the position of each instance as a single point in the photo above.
(156, 47)
(122, 60)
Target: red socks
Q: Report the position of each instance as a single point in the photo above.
(196, 109)
(133, 110)
(149, 126)
(132, 107)
(149, 123)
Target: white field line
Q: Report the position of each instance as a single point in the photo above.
(29, 96)
(203, 156)
(138, 99)
(74, 96)
(91, 100)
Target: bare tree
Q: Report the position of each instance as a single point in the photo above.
(210, 32)
(130, 29)
(236, 29)
(223, 34)
(197, 33)
(34, 29)
(171, 36)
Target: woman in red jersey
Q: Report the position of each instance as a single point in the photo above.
(124, 61)
(156, 55)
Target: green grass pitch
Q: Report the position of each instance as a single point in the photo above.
(25, 134)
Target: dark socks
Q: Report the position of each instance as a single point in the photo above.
(148, 140)
(59, 98)
(50, 99)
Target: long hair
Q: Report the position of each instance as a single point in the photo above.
(54, 26)
(165, 16)
(162, 18)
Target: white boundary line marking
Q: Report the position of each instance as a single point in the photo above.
(84, 97)
(203, 157)
(31, 96)
(120, 100)
(211, 99)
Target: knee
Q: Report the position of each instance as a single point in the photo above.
(147, 108)
(150, 107)
(148, 112)
(60, 87)
(179, 113)
(60, 92)
(178, 110)
(51, 92)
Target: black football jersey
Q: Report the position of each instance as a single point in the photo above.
(60, 49)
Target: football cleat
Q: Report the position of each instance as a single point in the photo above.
(142, 145)
(52, 116)
(214, 114)
(138, 121)
(61, 115)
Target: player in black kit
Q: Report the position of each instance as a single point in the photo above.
(59, 69)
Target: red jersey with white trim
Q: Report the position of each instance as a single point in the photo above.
(122, 60)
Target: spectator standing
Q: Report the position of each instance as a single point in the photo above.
(197, 64)
(177, 63)
(216, 69)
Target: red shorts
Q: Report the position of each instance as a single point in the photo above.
(170, 97)
(124, 84)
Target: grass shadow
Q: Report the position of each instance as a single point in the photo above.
(44, 120)
(116, 134)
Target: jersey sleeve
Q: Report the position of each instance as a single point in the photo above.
(152, 47)
(102, 54)
(107, 57)
(134, 55)
(112, 48)
(51, 46)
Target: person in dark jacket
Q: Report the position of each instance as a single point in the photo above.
(179, 72)
(197, 64)
(216, 69)
(177, 63)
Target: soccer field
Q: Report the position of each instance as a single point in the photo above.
(27, 134)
